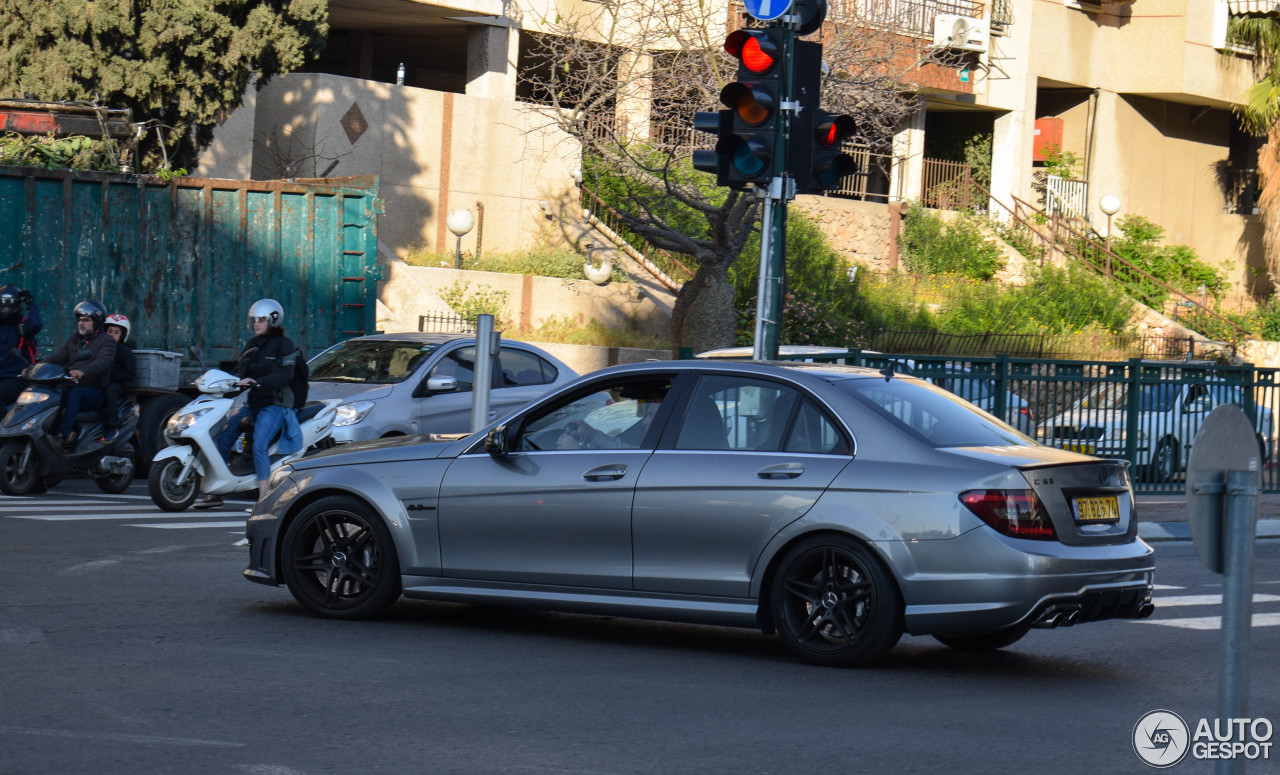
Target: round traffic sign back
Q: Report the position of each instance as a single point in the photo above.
(767, 10)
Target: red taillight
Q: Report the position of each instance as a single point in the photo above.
(1015, 513)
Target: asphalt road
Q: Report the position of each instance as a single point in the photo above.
(131, 644)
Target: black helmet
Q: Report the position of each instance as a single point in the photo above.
(10, 301)
(93, 310)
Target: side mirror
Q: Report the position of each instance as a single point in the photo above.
(442, 384)
(496, 442)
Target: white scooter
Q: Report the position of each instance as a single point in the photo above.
(192, 465)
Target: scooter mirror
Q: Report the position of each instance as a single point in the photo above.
(198, 353)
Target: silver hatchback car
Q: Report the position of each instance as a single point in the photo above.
(412, 383)
(833, 505)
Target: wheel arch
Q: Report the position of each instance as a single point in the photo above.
(764, 615)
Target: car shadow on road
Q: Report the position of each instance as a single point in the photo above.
(912, 654)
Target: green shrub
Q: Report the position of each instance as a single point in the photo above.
(930, 245)
(540, 262)
(571, 330)
(1177, 265)
(485, 300)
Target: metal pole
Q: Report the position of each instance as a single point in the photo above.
(457, 259)
(773, 221)
(486, 346)
(1239, 527)
(758, 350)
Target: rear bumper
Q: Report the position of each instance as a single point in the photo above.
(981, 582)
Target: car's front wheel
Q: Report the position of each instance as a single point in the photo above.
(339, 560)
(834, 603)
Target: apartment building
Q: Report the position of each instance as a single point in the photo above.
(428, 96)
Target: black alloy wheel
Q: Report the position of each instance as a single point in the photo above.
(162, 483)
(339, 560)
(833, 603)
(987, 641)
(18, 476)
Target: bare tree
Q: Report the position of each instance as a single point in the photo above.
(626, 80)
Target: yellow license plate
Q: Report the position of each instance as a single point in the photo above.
(1086, 449)
(1104, 509)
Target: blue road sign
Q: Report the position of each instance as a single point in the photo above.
(767, 10)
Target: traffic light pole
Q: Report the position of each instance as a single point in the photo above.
(773, 220)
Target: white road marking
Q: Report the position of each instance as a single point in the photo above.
(185, 525)
(1163, 602)
(1165, 586)
(1212, 622)
(34, 508)
(116, 737)
(131, 515)
(84, 567)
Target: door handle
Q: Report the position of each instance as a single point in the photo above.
(781, 471)
(604, 473)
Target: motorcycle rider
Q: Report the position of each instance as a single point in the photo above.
(90, 376)
(123, 372)
(275, 373)
(17, 341)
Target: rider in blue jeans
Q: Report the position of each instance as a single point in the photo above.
(269, 368)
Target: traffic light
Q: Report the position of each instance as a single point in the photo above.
(747, 131)
(815, 158)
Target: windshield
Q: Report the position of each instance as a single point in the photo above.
(374, 361)
(938, 417)
(1151, 398)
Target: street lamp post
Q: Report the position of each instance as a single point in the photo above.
(459, 222)
(1109, 204)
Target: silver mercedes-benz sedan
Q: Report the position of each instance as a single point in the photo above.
(833, 505)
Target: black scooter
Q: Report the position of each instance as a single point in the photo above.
(32, 457)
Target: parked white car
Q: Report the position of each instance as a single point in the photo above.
(413, 383)
(1169, 418)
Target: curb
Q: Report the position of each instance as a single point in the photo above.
(1181, 531)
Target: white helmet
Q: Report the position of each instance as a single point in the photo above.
(268, 310)
(116, 319)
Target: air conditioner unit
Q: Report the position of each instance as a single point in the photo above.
(962, 33)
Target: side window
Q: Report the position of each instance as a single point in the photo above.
(459, 364)
(522, 368)
(613, 417)
(736, 413)
(814, 433)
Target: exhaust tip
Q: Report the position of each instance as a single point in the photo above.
(1146, 610)
(1071, 618)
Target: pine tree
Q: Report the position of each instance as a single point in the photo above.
(181, 63)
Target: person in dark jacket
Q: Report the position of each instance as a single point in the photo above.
(17, 341)
(269, 367)
(91, 376)
(124, 372)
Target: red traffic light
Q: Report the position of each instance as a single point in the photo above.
(830, 131)
(756, 49)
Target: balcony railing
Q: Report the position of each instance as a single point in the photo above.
(908, 17)
(1241, 191)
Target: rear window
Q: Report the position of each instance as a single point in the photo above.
(934, 415)
(376, 361)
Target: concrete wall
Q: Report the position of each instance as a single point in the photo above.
(859, 231)
(433, 151)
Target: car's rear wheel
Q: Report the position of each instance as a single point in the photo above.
(834, 603)
(339, 560)
(987, 641)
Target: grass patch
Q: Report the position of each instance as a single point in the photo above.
(540, 262)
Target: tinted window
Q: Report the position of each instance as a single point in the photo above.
(812, 432)
(459, 364)
(937, 416)
(614, 417)
(377, 361)
(522, 368)
(736, 413)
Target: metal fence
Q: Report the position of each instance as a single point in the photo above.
(446, 323)
(1142, 411)
(1084, 346)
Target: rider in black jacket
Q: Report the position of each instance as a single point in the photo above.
(91, 375)
(270, 368)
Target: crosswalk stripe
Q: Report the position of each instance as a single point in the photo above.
(33, 507)
(1165, 602)
(186, 525)
(1211, 622)
(132, 515)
